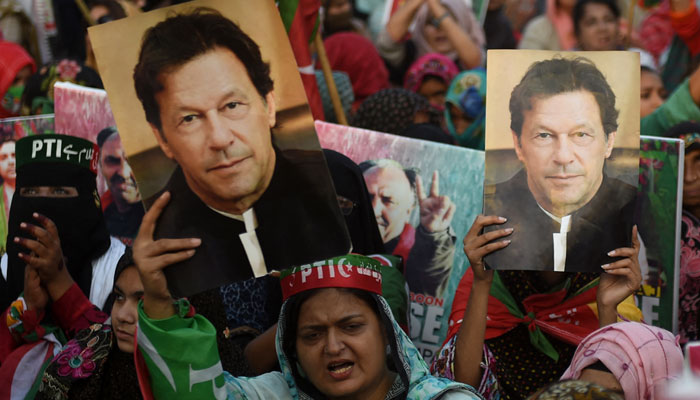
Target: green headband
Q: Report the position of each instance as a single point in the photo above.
(51, 148)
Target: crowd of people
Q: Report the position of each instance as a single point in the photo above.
(88, 311)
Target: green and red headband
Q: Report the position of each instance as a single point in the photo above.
(57, 148)
(350, 271)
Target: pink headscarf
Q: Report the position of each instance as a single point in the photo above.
(642, 357)
(463, 15)
(430, 64)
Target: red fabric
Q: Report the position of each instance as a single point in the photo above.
(12, 59)
(10, 365)
(106, 199)
(568, 320)
(355, 55)
(406, 241)
(687, 25)
(74, 312)
(656, 32)
(299, 34)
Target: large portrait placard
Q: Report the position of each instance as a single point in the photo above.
(406, 178)
(562, 151)
(210, 107)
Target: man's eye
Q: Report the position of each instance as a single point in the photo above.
(189, 118)
(119, 298)
(543, 135)
(387, 200)
(232, 105)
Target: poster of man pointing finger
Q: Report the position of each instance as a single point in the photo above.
(424, 197)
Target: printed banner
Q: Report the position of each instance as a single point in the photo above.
(562, 161)
(85, 112)
(210, 107)
(425, 197)
(19, 127)
(658, 217)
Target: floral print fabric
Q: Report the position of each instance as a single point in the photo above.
(689, 278)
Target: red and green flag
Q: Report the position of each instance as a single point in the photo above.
(301, 20)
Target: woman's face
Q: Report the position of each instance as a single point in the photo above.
(128, 291)
(598, 29)
(437, 39)
(652, 92)
(341, 346)
(434, 89)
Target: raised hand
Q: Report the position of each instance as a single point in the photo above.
(436, 211)
(45, 254)
(152, 256)
(620, 280)
(35, 295)
(478, 245)
(45, 257)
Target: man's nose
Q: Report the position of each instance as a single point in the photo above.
(219, 135)
(125, 170)
(376, 206)
(563, 151)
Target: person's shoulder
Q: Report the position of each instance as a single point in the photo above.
(175, 184)
(616, 188)
(515, 183)
(301, 157)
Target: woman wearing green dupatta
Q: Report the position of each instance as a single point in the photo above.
(521, 328)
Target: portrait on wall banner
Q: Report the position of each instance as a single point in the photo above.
(425, 196)
(562, 156)
(210, 107)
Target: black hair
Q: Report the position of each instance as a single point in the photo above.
(580, 7)
(560, 75)
(105, 134)
(125, 261)
(181, 38)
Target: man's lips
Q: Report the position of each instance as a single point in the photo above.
(563, 177)
(227, 164)
(340, 369)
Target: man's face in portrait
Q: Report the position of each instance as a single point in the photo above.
(563, 147)
(392, 199)
(117, 172)
(7, 162)
(216, 126)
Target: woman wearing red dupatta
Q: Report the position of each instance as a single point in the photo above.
(521, 328)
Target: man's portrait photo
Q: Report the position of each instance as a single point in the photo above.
(428, 249)
(563, 172)
(215, 113)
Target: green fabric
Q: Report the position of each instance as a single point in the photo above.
(57, 148)
(679, 107)
(181, 356)
(394, 290)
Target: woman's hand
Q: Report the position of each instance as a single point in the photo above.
(152, 256)
(477, 245)
(620, 280)
(45, 257)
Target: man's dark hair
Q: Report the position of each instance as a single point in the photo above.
(580, 7)
(181, 38)
(105, 134)
(559, 75)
